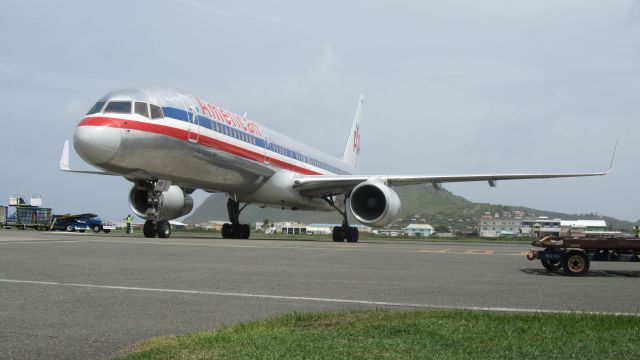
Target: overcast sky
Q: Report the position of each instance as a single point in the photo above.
(452, 87)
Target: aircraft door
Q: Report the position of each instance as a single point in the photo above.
(266, 150)
(194, 122)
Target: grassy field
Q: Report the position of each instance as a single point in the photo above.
(428, 334)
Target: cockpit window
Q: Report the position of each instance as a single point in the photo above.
(96, 108)
(118, 107)
(156, 112)
(142, 109)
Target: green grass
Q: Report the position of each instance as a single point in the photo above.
(382, 334)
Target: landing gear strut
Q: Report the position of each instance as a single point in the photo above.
(344, 232)
(235, 230)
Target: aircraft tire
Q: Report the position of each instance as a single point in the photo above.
(352, 234)
(149, 229)
(245, 230)
(225, 230)
(338, 234)
(164, 229)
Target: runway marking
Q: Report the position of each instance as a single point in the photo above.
(433, 251)
(349, 246)
(328, 246)
(313, 299)
(479, 252)
(37, 241)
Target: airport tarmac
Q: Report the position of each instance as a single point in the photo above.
(80, 296)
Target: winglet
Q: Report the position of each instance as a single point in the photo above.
(352, 150)
(64, 159)
(613, 157)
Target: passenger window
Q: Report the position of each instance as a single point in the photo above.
(156, 112)
(142, 109)
(96, 108)
(118, 107)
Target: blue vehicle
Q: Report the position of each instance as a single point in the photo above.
(69, 223)
(81, 223)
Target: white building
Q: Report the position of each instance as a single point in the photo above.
(327, 229)
(493, 227)
(586, 228)
(422, 230)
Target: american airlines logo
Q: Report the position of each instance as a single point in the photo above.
(356, 139)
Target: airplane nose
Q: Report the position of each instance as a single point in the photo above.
(97, 143)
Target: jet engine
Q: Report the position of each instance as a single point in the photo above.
(170, 204)
(374, 203)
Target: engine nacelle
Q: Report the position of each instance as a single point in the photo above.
(173, 204)
(374, 203)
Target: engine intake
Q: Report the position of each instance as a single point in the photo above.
(172, 204)
(374, 203)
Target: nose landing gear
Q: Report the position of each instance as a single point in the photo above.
(160, 228)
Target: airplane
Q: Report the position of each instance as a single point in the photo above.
(170, 143)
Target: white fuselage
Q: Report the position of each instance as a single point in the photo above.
(195, 144)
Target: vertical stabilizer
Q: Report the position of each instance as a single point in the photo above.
(352, 150)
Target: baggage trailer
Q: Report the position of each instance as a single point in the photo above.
(27, 216)
(574, 255)
(3, 216)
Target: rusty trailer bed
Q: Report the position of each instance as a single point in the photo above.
(573, 255)
(586, 243)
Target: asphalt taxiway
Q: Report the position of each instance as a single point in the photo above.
(66, 295)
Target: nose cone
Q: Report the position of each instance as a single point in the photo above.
(97, 143)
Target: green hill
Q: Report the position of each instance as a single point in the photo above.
(440, 208)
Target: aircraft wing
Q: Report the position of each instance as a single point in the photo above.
(322, 186)
(329, 185)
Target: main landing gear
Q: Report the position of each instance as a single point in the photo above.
(160, 228)
(235, 230)
(344, 232)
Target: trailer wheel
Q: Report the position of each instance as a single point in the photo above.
(551, 265)
(575, 263)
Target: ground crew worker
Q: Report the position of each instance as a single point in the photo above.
(129, 218)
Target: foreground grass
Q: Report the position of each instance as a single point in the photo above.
(381, 334)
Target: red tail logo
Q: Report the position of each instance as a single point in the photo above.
(356, 139)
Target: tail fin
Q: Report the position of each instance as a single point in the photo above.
(352, 150)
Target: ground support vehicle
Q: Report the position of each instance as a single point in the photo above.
(574, 255)
(69, 223)
(105, 226)
(81, 223)
(27, 216)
